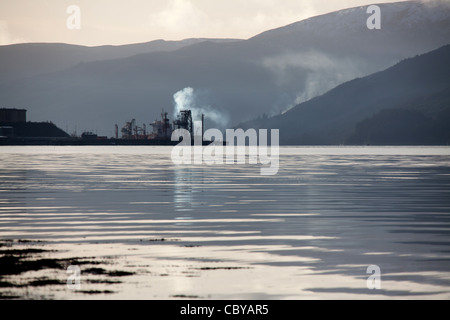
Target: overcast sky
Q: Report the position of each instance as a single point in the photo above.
(131, 21)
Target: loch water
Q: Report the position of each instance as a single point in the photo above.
(225, 231)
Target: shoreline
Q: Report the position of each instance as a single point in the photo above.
(87, 142)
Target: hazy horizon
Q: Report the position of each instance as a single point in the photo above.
(139, 21)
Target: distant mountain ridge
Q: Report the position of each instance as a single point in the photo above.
(408, 103)
(269, 73)
(30, 59)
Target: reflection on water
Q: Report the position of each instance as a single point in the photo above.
(227, 232)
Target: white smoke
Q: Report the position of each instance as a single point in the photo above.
(314, 71)
(184, 100)
(189, 99)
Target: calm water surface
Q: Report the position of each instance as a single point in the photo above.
(225, 231)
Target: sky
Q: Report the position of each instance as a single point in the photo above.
(116, 22)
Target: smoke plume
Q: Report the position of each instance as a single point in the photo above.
(314, 73)
(189, 99)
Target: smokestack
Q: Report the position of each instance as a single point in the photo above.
(203, 124)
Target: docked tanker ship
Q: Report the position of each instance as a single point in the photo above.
(15, 130)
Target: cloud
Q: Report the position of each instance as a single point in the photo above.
(179, 17)
(230, 19)
(6, 36)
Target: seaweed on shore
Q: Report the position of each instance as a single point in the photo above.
(17, 261)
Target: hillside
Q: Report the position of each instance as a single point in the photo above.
(408, 103)
(26, 60)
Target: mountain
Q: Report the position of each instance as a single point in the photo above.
(233, 81)
(425, 121)
(30, 59)
(408, 103)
